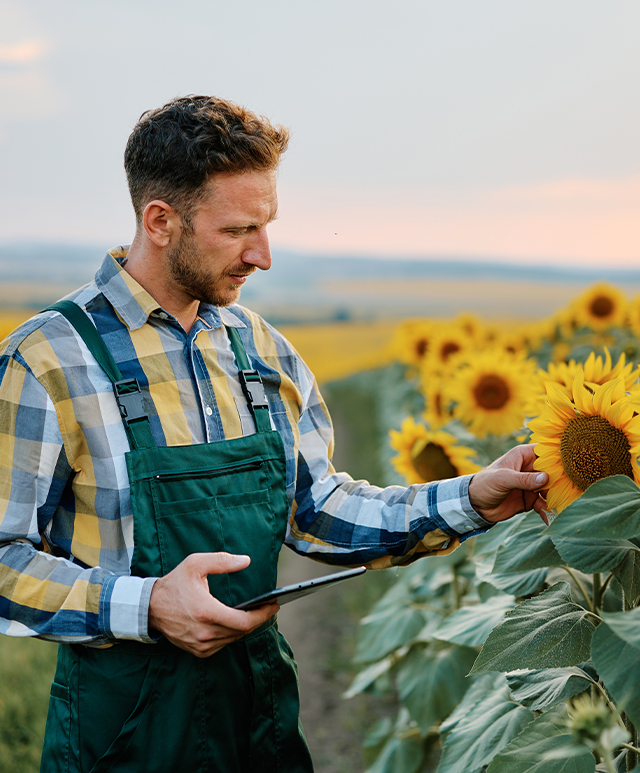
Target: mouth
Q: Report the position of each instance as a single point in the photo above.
(241, 277)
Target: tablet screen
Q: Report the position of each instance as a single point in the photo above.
(298, 590)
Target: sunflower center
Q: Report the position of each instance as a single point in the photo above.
(601, 306)
(421, 347)
(431, 462)
(491, 392)
(591, 449)
(449, 348)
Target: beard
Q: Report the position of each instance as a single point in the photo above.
(187, 270)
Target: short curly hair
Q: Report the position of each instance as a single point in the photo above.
(174, 150)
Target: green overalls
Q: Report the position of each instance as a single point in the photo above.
(154, 708)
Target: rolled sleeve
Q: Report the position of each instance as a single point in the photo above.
(124, 608)
(447, 503)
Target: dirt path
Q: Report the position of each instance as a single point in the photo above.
(322, 635)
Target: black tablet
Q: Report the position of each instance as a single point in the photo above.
(298, 590)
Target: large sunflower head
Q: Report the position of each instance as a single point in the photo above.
(425, 455)
(600, 307)
(493, 390)
(585, 436)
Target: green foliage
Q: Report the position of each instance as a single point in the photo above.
(26, 671)
(548, 631)
(544, 746)
(521, 654)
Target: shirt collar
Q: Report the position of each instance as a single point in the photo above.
(134, 304)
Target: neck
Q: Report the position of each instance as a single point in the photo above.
(146, 263)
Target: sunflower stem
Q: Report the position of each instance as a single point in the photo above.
(605, 584)
(455, 586)
(580, 587)
(609, 703)
(632, 750)
(597, 591)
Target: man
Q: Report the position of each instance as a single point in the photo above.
(159, 444)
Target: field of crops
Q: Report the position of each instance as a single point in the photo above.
(520, 649)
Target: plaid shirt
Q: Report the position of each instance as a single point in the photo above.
(66, 531)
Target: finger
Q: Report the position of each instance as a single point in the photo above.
(203, 564)
(531, 481)
(239, 622)
(517, 458)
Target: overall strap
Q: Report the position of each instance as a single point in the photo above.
(251, 383)
(127, 391)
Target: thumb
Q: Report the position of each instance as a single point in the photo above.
(203, 564)
(532, 481)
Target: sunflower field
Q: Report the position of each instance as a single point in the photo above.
(520, 650)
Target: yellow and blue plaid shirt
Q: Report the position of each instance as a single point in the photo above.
(66, 531)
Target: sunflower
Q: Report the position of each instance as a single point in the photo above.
(584, 437)
(600, 307)
(424, 456)
(412, 339)
(448, 345)
(595, 370)
(493, 390)
(633, 316)
(438, 403)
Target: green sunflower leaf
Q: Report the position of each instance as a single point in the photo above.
(544, 746)
(548, 631)
(594, 555)
(543, 688)
(528, 548)
(403, 749)
(472, 625)
(608, 509)
(627, 573)
(514, 583)
(618, 665)
(383, 634)
(431, 684)
(625, 625)
(483, 725)
(490, 541)
(368, 676)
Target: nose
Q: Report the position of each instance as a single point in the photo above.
(258, 253)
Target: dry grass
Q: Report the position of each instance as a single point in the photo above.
(337, 350)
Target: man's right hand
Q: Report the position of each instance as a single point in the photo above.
(182, 608)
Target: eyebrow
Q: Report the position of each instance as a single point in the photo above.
(241, 226)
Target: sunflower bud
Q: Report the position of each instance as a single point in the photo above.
(588, 720)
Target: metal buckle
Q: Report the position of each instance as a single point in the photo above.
(253, 389)
(130, 400)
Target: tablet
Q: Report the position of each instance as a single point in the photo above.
(298, 590)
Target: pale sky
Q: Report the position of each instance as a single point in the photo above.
(497, 129)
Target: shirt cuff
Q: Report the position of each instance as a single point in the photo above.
(124, 608)
(448, 501)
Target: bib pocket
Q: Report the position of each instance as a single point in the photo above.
(197, 512)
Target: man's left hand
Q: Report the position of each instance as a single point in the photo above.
(509, 486)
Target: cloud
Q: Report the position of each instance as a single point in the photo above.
(21, 54)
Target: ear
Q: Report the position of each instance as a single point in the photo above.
(161, 222)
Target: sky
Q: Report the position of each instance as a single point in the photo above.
(505, 130)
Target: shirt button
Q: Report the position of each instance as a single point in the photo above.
(208, 410)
